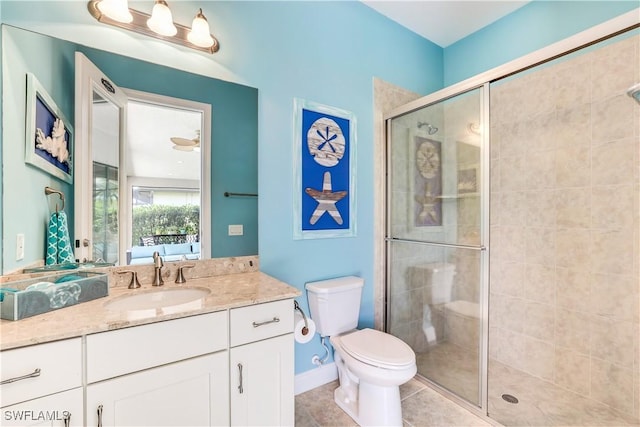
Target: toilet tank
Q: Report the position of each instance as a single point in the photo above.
(439, 279)
(335, 304)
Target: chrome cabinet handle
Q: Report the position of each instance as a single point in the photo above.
(274, 320)
(67, 419)
(99, 415)
(240, 388)
(34, 374)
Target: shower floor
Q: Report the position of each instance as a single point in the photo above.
(540, 402)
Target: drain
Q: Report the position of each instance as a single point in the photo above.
(509, 398)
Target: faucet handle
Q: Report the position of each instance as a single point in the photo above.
(180, 276)
(134, 284)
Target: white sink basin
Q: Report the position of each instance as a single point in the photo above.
(162, 301)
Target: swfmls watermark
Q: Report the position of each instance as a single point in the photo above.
(30, 415)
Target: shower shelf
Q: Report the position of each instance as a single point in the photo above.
(457, 196)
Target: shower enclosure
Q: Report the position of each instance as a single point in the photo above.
(437, 240)
(543, 328)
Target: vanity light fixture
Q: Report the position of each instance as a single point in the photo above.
(159, 24)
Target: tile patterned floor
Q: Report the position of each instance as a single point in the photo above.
(421, 406)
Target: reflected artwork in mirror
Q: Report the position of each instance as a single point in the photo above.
(232, 158)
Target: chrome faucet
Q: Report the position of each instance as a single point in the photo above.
(158, 264)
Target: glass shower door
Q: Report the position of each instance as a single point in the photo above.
(436, 238)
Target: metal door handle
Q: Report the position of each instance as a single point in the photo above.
(100, 415)
(240, 388)
(274, 320)
(34, 374)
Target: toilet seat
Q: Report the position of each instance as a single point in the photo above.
(378, 348)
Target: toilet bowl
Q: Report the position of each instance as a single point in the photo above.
(371, 364)
(371, 367)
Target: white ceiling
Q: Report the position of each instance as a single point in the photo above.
(444, 21)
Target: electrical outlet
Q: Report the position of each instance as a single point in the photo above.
(19, 247)
(236, 230)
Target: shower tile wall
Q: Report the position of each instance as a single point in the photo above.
(565, 142)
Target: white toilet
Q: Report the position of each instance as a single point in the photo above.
(371, 364)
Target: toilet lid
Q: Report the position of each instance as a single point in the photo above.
(378, 348)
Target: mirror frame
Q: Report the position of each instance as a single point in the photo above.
(206, 238)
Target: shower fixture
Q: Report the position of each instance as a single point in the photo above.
(634, 92)
(430, 128)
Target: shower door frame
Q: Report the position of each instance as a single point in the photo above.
(483, 345)
(621, 24)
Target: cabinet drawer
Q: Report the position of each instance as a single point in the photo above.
(114, 353)
(60, 365)
(261, 321)
(46, 411)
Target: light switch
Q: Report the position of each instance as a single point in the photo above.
(235, 230)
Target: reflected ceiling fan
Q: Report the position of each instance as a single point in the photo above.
(184, 144)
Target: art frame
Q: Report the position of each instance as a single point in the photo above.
(48, 133)
(467, 180)
(324, 171)
(425, 182)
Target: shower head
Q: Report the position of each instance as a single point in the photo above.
(634, 92)
(430, 128)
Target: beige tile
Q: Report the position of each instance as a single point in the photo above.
(612, 340)
(513, 208)
(539, 358)
(508, 312)
(573, 371)
(614, 70)
(540, 133)
(615, 296)
(495, 176)
(613, 207)
(573, 128)
(540, 283)
(508, 278)
(573, 207)
(570, 83)
(512, 177)
(512, 243)
(513, 138)
(540, 245)
(573, 166)
(540, 171)
(611, 119)
(612, 251)
(573, 248)
(541, 208)
(539, 321)
(573, 289)
(612, 385)
(427, 408)
(573, 331)
(613, 162)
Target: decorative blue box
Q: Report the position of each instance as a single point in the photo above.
(37, 295)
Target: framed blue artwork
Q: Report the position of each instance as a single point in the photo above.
(324, 171)
(49, 135)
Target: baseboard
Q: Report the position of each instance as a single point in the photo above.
(315, 378)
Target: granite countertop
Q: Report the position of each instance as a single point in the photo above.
(226, 291)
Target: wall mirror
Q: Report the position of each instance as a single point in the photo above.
(232, 158)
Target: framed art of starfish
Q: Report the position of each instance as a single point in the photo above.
(324, 171)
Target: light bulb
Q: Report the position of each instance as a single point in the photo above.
(161, 20)
(199, 34)
(118, 10)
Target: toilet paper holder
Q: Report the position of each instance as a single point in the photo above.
(296, 306)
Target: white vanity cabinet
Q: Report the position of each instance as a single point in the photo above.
(162, 374)
(262, 365)
(42, 385)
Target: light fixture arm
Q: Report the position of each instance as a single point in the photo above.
(139, 25)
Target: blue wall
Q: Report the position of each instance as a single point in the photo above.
(326, 52)
(532, 27)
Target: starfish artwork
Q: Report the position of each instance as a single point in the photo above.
(326, 200)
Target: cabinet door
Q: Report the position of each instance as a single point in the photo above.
(47, 411)
(261, 384)
(193, 392)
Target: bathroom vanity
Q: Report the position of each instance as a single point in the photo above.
(227, 360)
